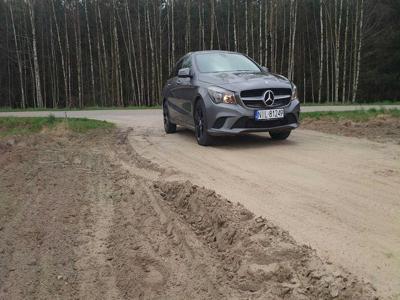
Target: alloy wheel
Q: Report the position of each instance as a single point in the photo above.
(199, 122)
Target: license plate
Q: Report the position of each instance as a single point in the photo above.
(269, 114)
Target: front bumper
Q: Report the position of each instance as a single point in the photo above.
(227, 119)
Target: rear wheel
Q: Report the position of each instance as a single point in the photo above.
(200, 121)
(280, 135)
(168, 126)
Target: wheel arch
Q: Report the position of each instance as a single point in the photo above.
(196, 100)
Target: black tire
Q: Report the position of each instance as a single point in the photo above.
(200, 121)
(168, 126)
(280, 135)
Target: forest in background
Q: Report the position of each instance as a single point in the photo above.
(77, 53)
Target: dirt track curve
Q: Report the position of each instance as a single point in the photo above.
(337, 194)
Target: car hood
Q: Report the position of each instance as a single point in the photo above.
(245, 81)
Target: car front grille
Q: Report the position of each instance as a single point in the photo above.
(249, 123)
(255, 98)
(261, 92)
(262, 105)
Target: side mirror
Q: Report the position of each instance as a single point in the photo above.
(184, 73)
(266, 69)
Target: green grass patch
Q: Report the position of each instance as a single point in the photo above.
(84, 125)
(9, 109)
(21, 126)
(379, 103)
(356, 116)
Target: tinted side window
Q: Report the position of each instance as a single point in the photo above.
(177, 67)
(187, 62)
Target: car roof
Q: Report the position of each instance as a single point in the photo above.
(214, 51)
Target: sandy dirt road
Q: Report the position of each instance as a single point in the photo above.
(340, 195)
(87, 217)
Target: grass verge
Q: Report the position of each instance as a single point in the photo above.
(355, 116)
(380, 103)
(21, 126)
(10, 109)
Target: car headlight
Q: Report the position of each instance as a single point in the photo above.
(219, 95)
(294, 92)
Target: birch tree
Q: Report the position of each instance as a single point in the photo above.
(76, 53)
(39, 99)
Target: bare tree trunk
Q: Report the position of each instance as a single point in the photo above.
(203, 36)
(39, 98)
(260, 42)
(351, 64)
(321, 58)
(9, 83)
(200, 25)
(77, 31)
(293, 39)
(188, 26)
(90, 51)
(266, 33)
(358, 51)
(169, 38)
(328, 96)
(19, 61)
(99, 60)
(228, 37)
(275, 61)
(116, 68)
(173, 30)
(61, 53)
(252, 29)
(355, 41)
(43, 72)
(157, 66)
(290, 39)
(304, 71)
(54, 69)
(310, 62)
(235, 39)
(272, 34)
(69, 101)
(338, 27)
(345, 54)
(152, 54)
(284, 41)
(246, 2)
(212, 24)
(217, 31)
(128, 51)
(32, 72)
(141, 92)
(160, 58)
(131, 54)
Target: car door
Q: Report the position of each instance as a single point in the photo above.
(185, 93)
(175, 112)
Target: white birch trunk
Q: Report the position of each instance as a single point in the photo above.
(321, 58)
(361, 23)
(39, 98)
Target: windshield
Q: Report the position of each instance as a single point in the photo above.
(225, 62)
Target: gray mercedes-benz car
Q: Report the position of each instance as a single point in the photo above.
(227, 93)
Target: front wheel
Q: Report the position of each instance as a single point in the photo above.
(168, 126)
(200, 121)
(280, 135)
